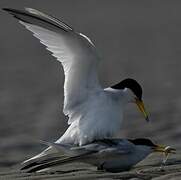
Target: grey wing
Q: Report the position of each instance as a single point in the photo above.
(52, 163)
(115, 146)
(71, 150)
(78, 153)
(74, 50)
(63, 153)
(71, 154)
(110, 146)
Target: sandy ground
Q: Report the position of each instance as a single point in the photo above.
(148, 169)
(138, 39)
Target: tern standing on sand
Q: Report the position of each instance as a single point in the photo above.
(94, 112)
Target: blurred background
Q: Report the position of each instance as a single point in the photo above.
(138, 39)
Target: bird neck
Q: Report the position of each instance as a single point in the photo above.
(143, 150)
(122, 96)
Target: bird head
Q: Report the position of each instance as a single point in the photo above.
(164, 149)
(133, 92)
(147, 143)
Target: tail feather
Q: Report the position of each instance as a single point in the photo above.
(39, 161)
(53, 152)
(60, 154)
(54, 163)
(46, 153)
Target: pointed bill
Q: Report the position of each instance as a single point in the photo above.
(164, 149)
(141, 107)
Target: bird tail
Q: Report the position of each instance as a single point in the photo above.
(53, 152)
(50, 162)
(60, 154)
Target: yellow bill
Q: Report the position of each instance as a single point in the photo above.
(164, 149)
(141, 107)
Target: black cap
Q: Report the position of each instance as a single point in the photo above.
(131, 84)
(142, 141)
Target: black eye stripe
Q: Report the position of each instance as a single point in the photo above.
(131, 84)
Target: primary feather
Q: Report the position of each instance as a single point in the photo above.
(72, 49)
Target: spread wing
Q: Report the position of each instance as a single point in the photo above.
(74, 50)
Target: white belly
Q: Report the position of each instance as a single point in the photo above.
(98, 118)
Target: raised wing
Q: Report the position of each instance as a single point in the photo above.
(74, 50)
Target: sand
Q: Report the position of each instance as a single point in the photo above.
(148, 169)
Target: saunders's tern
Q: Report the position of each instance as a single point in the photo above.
(94, 112)
(112, 155)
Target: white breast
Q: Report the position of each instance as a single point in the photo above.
(98, 118)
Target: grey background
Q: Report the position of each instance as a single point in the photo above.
(137, 39)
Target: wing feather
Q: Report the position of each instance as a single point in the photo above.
(103, 149)
(74, 50)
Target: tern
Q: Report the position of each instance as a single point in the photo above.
(94, 112)
(112, 155)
